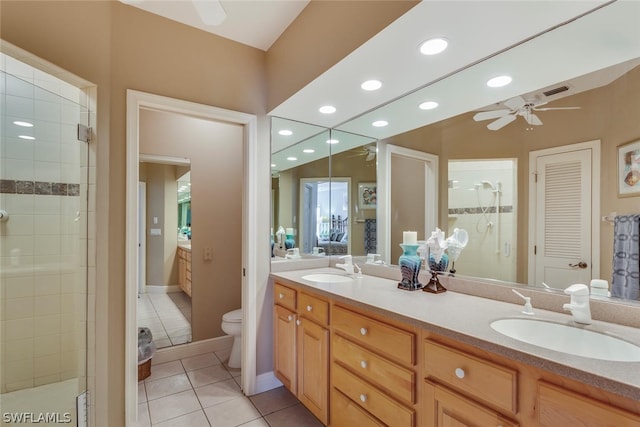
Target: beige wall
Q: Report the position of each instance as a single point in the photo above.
(118, 47)
(324, 33)
(609, 114)
(215, 151)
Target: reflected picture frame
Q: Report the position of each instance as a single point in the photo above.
(367, 195)
(629, 169)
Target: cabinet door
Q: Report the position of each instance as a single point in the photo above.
(313, 367)
(445, 408)
(284, 339)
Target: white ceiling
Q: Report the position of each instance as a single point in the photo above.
(256, 23)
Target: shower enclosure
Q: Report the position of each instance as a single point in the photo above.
(44, 176)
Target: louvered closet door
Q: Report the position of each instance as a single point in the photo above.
(563, 219)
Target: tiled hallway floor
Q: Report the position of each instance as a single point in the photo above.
(202, 391)
(168, 316)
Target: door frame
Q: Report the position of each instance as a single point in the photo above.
(385, 152)
(137, 100)
(594, 146)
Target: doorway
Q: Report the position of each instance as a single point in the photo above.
(392, 165)
(138, 102)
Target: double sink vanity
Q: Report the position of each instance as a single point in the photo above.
(356, 350)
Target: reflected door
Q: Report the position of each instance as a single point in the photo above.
(563, 213)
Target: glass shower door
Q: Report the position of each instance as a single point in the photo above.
(43, 249)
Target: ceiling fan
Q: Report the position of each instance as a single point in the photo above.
(369, 151)
(517, 106)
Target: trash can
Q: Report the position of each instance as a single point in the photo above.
(146, 349)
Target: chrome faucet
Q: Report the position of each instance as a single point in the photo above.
(348, 264)
(579, 305)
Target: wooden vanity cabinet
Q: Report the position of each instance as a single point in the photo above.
(373, 368)
(301, 346)
(184, 270)
(384, 372)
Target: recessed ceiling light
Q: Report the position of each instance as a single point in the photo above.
(327, 109)
(23, 124)
(428, 105)
(434, 46)
(499, 81)
(273, 165)
(30, 138)
(285, 132)
(380, 123)
(332, 141)
(292, 159)
(308, 150)
(371, 85)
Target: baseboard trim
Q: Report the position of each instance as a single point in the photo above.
(169, 354)
(266, 382)
(162, 289)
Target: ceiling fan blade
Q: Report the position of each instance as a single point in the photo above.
(515, 103)
(501, 122)
(493, 114)
(532, 119)
(556, 108)
(211, 11)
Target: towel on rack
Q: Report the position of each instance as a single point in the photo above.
(625, 282)
(370, 233)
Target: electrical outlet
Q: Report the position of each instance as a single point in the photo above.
(207, 254)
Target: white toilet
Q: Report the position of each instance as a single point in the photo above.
(232, 325)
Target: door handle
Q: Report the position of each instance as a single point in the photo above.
(581, 264)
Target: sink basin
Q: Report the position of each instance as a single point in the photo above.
(327, 278)
(568, 339)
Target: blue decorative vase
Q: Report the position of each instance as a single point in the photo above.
(410, 263)
(289, 244)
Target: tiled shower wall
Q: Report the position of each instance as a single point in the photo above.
(43, 253)
(491, 251)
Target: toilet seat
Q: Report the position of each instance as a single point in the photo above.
(234, 316)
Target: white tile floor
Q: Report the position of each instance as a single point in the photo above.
(202, 391)
(168, 316)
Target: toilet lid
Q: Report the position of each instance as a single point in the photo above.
(233, 316)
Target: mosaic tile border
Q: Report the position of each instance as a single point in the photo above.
(40, 188)
(479, 210)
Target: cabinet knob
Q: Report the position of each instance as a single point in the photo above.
(363, 398)
(363, 331)
(309, 308)
(460, 373)
(289, 318)
(363, 364)
(298, 322)
(281, 295)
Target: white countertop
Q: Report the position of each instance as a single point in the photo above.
(466, 318)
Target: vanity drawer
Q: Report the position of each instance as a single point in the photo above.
(345, 413)
(368, 397)
(397, 380)
(284, 296)
(557, 406)
(484, 380)
(314, 308)
(381, 337)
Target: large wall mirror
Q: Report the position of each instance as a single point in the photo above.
(323, 191)
(573, 95)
